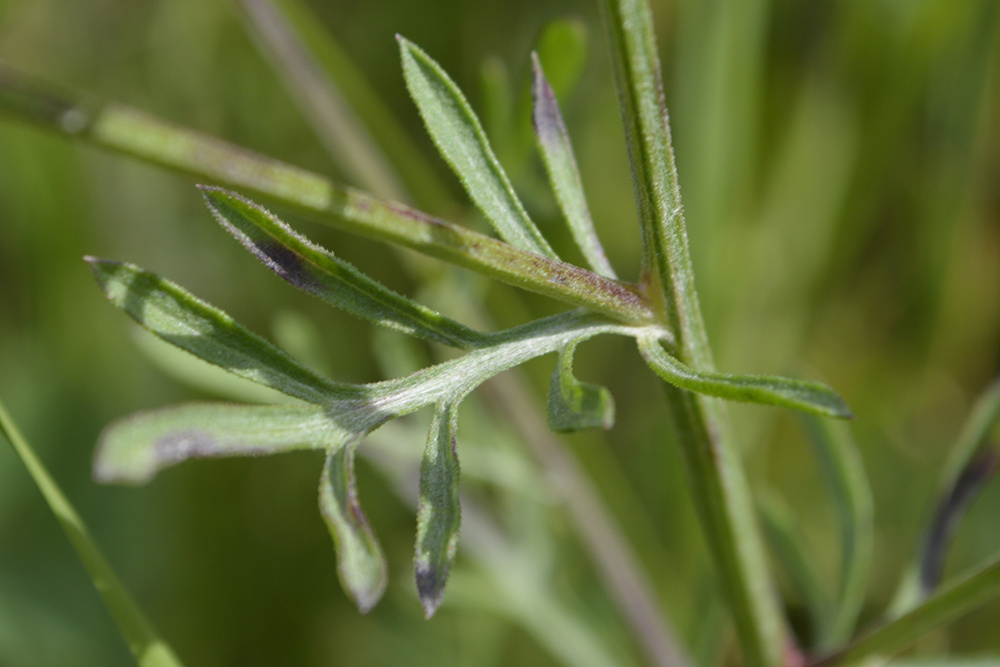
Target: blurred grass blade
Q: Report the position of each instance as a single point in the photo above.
(786, 544)
(319, 272)
(971, 442)
(573, 405)
(973, 437)
(842, 469)
(954, 601)
(345, 138)
(147, 648)
(439, 511)
(498, 105)
(557, 155)
(361, 565)
(460, 138)
(134, 449)
(181, 319)
(340, 103)
(950, 511)
(810, 397)
(131, 132)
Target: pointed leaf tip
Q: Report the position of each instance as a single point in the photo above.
(460, 138)
(573, 405)
(811, 397)
(439, 511)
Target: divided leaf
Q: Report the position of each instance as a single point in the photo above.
(574, 405)
(361, 565)
(134, 449)
(319, 272)
(177, 317)
(462, 142)
(769, 390)
(560, 164)
(439, 511)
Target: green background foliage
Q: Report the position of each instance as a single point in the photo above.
(839, 163)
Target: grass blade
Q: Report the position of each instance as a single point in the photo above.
(319, 54)
(463, 144)
(171, 313)
(557, 155)
(319, 272)
(133, 450)
(573, 405)
(149, 650)
(339, 129)
(945, 606)
(972, 443)
(439, 512)
(361, 565)
(810, 397)
(842, 469)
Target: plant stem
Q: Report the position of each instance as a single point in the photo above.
(149, 650)
(718, 480)
(132, 132)
(945, 606)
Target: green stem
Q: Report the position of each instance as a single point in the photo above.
(945, 606)
(132, 132)
(718, 480)
(149, 650)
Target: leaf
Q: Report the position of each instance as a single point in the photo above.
(146, 646)
(439, 511)
(574, 405)
(950, 511)
(134, 449)
(319, 272)
(177, 317)
(361, 565)
(971, 448)
(463, 144)
(798, 394)
(844, 473)
(557, 155)
(969, 592)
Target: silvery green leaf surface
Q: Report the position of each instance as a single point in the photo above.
(463, 144)
(361, 565)
(798, 394)
(843, 471)
(177, 317)
(560, 164)
(134, 449)
(573, 405)
(439, 511)
(319, 272)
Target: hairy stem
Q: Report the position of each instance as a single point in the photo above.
(717, 478)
